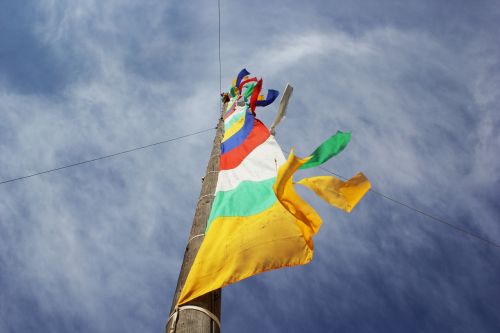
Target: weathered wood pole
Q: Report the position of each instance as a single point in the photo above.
(191, 320)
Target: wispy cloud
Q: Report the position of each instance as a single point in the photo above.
(98, 247)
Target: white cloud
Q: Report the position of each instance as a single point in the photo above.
(107, 237)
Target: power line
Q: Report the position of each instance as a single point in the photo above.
(220, 63)
(104, 157)
(428, 215)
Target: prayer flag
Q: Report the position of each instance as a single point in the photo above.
(257, 221)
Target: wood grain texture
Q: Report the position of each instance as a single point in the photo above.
(191, 321)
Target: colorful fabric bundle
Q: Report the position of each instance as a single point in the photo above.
(258, 222)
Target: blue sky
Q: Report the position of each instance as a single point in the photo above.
(97, 248)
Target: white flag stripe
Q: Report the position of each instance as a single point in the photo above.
(261, 164)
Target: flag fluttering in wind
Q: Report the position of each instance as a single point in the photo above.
(258, 222)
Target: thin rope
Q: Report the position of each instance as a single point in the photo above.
(195, 236)
(220, 63)
(175, 316)
(428, 215)
(206, 195)
(104, 157)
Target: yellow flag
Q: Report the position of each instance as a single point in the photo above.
(340, 194)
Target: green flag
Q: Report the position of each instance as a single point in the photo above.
(331, 147)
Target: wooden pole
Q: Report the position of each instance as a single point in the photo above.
(190, 320)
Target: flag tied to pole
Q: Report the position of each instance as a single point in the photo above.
(258, 222)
